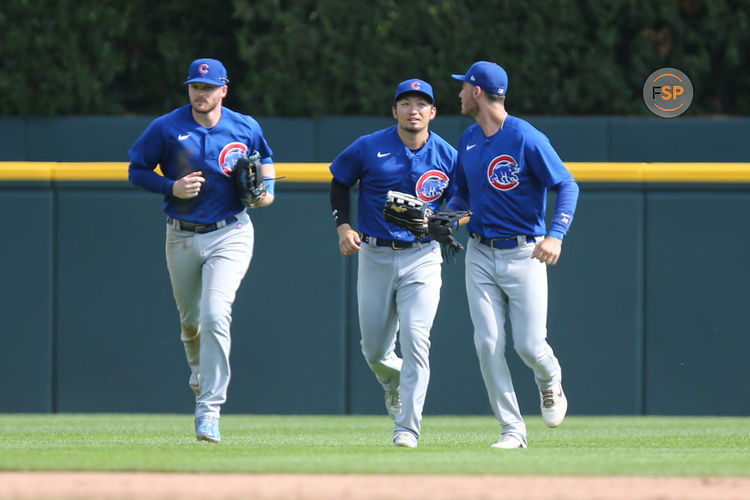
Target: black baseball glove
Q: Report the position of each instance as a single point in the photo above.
(407, 211)
(440, 227)
(248, 178)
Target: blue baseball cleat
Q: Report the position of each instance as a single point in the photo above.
(207, 429)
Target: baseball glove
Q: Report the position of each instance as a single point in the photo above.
(407, 211)
(248, 179)
(440, 227)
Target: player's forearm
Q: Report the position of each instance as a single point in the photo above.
(340, 203)
(269, 178)
(567, 199)
(150, 180)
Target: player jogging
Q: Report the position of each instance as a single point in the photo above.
(505, 168)
(209, 236)
(398, 287)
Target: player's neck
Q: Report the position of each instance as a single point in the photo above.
(208, 120)
(414, 140)
(491, 119)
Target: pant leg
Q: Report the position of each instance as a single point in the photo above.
(377, 313)
(417, 298)
(184, 264)
(227, 254)
(528, 315)
(487, 307)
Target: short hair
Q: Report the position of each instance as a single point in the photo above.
(494, 98)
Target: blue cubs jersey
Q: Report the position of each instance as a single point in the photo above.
(381, 162)
(179, 145)
(504, 181)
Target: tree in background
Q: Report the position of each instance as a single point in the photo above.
(337, 57)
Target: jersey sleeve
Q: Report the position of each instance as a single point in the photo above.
(259, 143)
(550, 169)
(347, 166)
(145, 155)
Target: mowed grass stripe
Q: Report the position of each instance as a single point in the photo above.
(682, 446)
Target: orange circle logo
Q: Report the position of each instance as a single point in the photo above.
(668, 92)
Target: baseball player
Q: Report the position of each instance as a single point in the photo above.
(209, 235)
(398, 287)
(505, 168)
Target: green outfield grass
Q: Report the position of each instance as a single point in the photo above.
(689, 446)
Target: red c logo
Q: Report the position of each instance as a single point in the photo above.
(203, 69)
(415, 85)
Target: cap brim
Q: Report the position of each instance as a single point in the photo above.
(459, 77)
(206, 81)
(412, 91)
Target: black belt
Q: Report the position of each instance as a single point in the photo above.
(395, 244)
(195, 227)
(501, 243)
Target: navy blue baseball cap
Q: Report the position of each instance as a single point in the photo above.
(489, 76)
(208, 71)
(414, 85)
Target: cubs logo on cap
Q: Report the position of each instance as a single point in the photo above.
(414, 85)
(209, 71)
(488, 76)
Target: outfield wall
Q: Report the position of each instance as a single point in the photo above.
(648, 306)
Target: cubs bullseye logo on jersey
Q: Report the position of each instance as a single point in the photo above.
(229, 156)
(431, 185)
(503, 173)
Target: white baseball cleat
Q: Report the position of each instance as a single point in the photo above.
(554, 406)
(393, 403)
(508, 442)
(405, 439)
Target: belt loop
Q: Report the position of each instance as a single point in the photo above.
(521, 240)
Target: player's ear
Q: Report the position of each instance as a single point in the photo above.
(393, 110)
(433, 112)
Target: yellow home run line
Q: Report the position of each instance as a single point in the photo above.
(318, 172)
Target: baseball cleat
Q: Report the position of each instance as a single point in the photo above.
(405, 439)
(554, 406)
(393, 403)
(508, 442)
(207, 429)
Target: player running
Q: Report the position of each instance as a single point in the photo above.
(209, 236)
(398, 287)
(505, 168)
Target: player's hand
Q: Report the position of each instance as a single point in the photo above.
(548, 251)
(349, 239)
(189, 186)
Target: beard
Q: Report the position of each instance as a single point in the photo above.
(203, 107)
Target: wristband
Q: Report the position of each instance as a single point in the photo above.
(270, 185)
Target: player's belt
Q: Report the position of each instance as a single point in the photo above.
(502, 243)
(195, 227)
(395, 244)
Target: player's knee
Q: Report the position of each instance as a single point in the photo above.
(189, 331)
(373, 357)
(487, 348)
(531, 355)
(216, 315)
